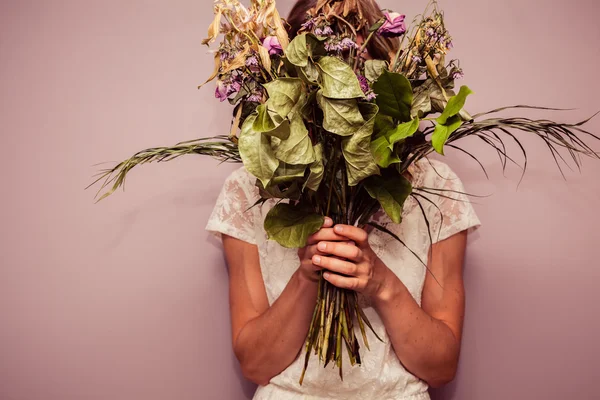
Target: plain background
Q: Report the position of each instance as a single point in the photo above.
(127, 299)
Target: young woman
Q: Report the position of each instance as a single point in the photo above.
(418, 314)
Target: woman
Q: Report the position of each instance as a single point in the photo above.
(419, 315)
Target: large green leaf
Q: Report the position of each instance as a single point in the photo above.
(391, 192)
(256, 153)
(394, 95)
(455, 105)
(360, 163)
(442, 133)
(297, 51)
(310, 73)
(297, 148)
(267, 119)
(382, 152)
(402, 131)
(341, 117)
(317, 170)
(338, 79)
(284, 94)
(374, 69)
(288, 172)
(290, 225)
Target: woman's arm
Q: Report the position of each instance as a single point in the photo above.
(266, 340)
(426, 340)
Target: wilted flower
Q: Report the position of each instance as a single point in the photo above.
(364, 85)
(271, 43)
(347, 44)
(308, 25)
(458, 74)
(393, 25)
(417, 59)
(227, 88)
(251, 61)
(327, 31)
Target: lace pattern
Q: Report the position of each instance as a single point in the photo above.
(381, 376)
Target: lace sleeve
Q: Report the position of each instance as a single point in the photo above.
(454, 212)
(233, 214)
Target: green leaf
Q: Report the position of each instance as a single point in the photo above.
(374, 69)
(402, 132)
(284, 94)
(287, 173)
(455, 104)
(360, 163)
(297, 148)
(281, 132)
(310, 73)
(338, 79)
(290, 225)
(442, 133)
(383, 124)
(317, 170)
(256, 153)
(391, 192)
(394, 95)
(267, 119)
(297, 51)
(383, 153)
(341, 117)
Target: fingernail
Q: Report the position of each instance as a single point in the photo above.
(326, 275)
(339, 228)
(322, 246)
(328, 221)
(317, 260)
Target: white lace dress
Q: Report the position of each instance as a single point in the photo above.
(381, 376)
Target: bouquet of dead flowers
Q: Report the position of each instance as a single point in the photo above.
(331, 133)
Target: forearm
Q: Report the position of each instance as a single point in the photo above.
(270, 342)
(424, 345)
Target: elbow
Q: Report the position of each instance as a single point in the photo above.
(255, 375)
(442, 377)
(252, 369)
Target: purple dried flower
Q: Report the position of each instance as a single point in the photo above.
(430, 32)
(347, 44)
(255, 97)
(251, 61)
(333, 46)
(370, 96)
(227, 88)
(393, 25)
(449, 45)
(417, 59)
(271, 43)
(364, 83)
(308, 25)
(327, 31)
(221, 91)
(318, 32)
(458, 74)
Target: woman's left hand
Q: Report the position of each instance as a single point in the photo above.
(353, 264)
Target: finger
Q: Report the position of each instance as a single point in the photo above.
(325, 235)
(341, 249)
(327, 223)
(335, 265)
(360, 236)
(344, 282)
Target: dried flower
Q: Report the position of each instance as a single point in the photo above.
(393, 25)
(458, 74)
(271, 43)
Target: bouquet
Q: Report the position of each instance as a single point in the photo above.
(330, 131)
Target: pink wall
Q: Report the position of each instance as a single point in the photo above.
(127, 299)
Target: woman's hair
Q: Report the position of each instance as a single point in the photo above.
(379, 47)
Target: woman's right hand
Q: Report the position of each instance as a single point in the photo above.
(308, 270)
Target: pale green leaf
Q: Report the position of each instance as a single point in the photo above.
(455, 105)
(394, 95)
(442, 133)
(391, 191)
(287, 173)
(266, 119)
(338, 79)
(374, 69)
(317, 170)
(360, 163)
(297, 148)
(256, 153)
(284, 94)
(341, 117)
(297, 51)
(290, 225)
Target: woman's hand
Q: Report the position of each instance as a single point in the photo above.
(351, 264)
(308, 270)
